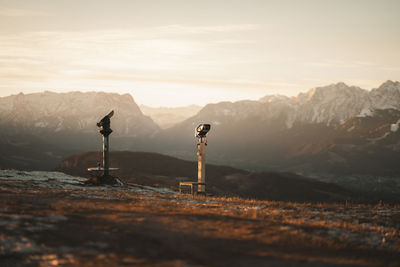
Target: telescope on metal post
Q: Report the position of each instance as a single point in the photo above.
(201, 132)
(105, 131)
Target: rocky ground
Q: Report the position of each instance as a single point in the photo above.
(51, 219)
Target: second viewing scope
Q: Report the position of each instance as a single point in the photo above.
(202, 130)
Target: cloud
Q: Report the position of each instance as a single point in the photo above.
(342, 64)
(17, 12)
(228, 28)
(145, 51)
(224, 58)
(394, 69)
(229, 84)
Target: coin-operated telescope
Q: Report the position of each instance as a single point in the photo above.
(201, 132)
(104, 124)
(105, 130)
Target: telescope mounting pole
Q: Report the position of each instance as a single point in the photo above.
(105, 131)
(201, 166)
(106, 162)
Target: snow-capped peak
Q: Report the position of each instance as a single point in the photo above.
(386, 96)
(336, 102)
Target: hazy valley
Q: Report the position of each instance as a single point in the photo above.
(166, 117)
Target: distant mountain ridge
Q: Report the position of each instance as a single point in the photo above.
(335, 129)
(331, 129)
(335, 103)
(330, 105)
(74, 111)
(39, 129)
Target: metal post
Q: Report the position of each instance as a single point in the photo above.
(106, 163)
(201, 165)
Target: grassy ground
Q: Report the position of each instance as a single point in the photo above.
(134, 226)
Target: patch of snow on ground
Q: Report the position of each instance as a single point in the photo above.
(45, 179)
(62, 180)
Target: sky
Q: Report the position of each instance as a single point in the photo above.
(181, 52)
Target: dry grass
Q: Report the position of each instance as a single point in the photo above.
(108, 226)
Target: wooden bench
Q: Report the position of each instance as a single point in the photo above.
(192, 185)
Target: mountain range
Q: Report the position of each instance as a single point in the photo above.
(73, 112)
(40, 129)
(331, 130)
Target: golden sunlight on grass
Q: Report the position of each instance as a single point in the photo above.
(119, 226)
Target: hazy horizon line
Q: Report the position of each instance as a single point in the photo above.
(190, 104)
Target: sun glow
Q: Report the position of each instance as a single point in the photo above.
(177, 58)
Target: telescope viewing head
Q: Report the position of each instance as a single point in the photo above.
(104, 124)
(202, 130)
